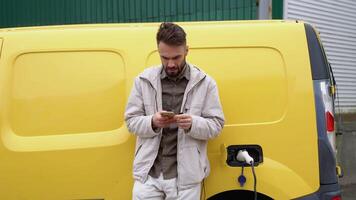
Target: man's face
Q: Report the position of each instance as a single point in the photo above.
(172, 58)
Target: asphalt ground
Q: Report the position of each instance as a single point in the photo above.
(348, 192)
(347, 156)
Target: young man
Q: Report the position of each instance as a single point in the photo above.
(171, 148)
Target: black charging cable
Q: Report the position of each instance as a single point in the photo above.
(243, 156)
(254, 179)
(242, 179)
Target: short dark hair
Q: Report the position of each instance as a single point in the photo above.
(171, 34)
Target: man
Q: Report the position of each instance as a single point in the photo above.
(171, 151)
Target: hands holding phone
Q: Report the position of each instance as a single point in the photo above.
(164, 119)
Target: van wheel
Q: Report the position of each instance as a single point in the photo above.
(239, 194)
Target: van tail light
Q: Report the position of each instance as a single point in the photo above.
(330, 129)
(336, 198)
(330, 122)
(329, 118)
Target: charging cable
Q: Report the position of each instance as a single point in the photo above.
(243, 156)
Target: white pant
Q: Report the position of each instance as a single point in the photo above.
(160, 189)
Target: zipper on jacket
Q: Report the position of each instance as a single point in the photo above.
(138, 149)
(178, 146)
(160, 136)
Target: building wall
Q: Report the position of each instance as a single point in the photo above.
(336, 22)
(18, 13)
(277, 9)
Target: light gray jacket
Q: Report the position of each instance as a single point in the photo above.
(201, 100)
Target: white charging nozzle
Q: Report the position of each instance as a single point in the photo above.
(243, 156)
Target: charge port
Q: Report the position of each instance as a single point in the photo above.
(255, 151)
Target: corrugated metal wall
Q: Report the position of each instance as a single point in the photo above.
(336, 22)
(15, 13)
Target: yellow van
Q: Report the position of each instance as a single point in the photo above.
(63, 90)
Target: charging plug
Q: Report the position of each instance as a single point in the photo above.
(243, 156)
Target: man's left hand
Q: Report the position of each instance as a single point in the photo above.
(184, 121)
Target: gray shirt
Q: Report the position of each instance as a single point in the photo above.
(172, 96)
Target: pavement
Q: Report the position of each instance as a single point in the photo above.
(347, 183)
(347, 155)
(348, 192)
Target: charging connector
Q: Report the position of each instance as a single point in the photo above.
(254, 151)
(244, 156)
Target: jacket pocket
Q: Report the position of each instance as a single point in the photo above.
(191, 171)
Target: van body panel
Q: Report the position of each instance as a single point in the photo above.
(0, 46)
(253, 76)
(63, 91)
(63, 95)
(286, 141)
(38, 86)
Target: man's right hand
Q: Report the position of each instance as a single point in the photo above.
(159, 121)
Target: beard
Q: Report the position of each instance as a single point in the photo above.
(174, 72)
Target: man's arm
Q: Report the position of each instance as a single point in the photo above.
(136, 120)
(211, 121)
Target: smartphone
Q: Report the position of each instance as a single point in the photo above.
(168, 114)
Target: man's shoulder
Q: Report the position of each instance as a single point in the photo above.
(150, 71)
(197, 70)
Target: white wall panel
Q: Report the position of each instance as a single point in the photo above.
(336, 22)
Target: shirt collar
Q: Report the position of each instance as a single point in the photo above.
(184, 73)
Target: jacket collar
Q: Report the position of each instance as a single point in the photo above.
(184, 73)
(153, 75)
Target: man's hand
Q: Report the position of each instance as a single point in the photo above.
(184, 121)
(159, 121)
